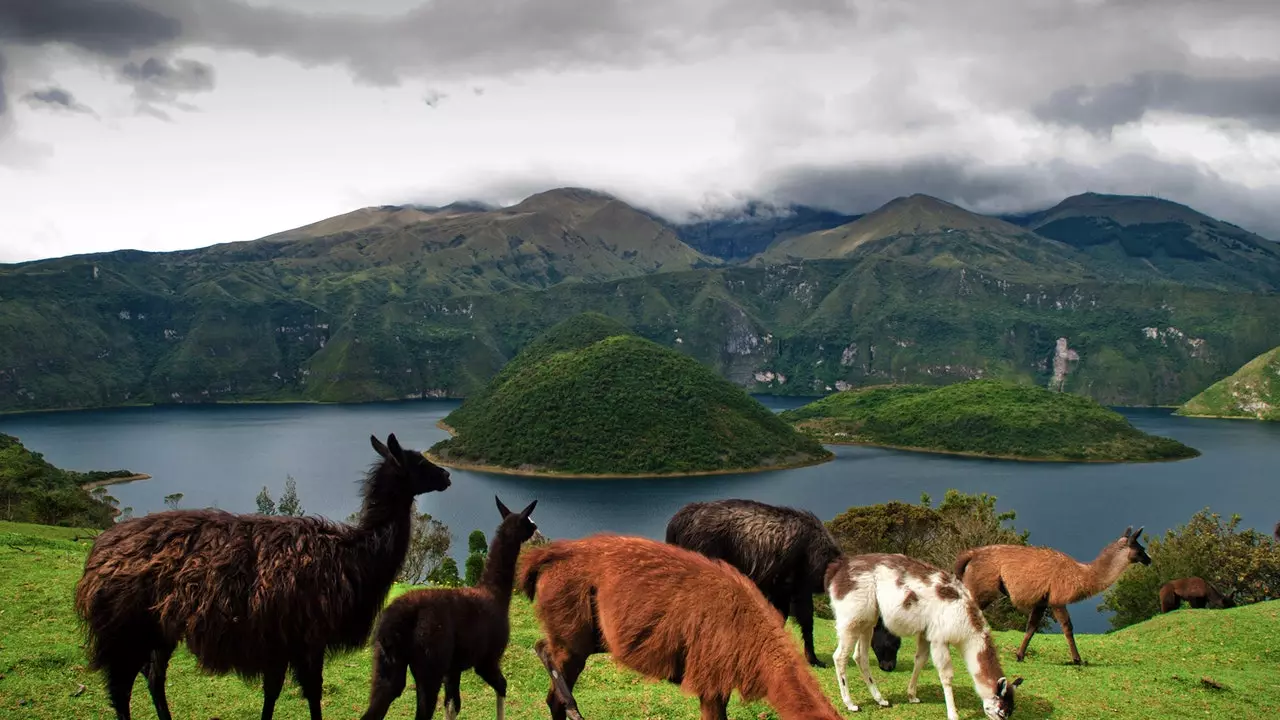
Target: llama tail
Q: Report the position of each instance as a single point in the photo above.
(534, 561)
(962, 562)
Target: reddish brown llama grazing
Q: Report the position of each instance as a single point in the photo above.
(916, 599)
(1037, 578)
(248, 593)
(1196, 591)
(437, 634)
(667, 613)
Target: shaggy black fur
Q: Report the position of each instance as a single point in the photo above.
(437, 634)
(784, 551)
(248, 593)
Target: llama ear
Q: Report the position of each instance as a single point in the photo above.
(394, 445)
(1017, 681)
(502, 508)
(1135, 535)
(1000, 686)
(1128, 531)
(382, 450)
(529, 510)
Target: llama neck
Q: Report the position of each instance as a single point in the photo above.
(983, 662)
(382, 535)
(500, 567)
(1107, 568)
(792, 690)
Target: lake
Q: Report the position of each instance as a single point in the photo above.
(222, 455)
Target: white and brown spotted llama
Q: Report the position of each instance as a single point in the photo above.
(914, 599)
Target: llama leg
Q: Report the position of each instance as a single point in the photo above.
(922, 652)
(860, 656)
(309, 673)
(491, 673)
(121, 672)
(714, 707)
(1033, 622)
(157, 670)
(563, 666)
(452, 695)
(844, 643)
(1198, 602)
(942, 661)
(272, 683)
(388, 683)
(803, 604)
(428, 681)
(1064, 619)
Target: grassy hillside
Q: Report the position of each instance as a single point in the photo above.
(579, 403)
(983, 417)
(1252, 392)
(1152, 671)
(32, 489)
(1146, 237)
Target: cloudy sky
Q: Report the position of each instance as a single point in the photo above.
(165, 124)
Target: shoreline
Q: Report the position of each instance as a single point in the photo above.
(1223, 417)
(93, 484)
(1005, 458)
(501, 470)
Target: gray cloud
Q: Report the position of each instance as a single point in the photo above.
(156, 81)
(4, 101)
(1255, 100)
(105, 27)
(57, 98)
(433, 98)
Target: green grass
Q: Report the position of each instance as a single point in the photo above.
(1150, 671)
(1252, 392)
(597, 403)
(983, 417)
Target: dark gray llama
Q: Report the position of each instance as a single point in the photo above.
(784, 551)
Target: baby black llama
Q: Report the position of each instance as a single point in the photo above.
(440, 633)
(248, 593)
(784, 551)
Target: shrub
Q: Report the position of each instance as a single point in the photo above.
(446, 574)
(476, 543)
(475, 568)
(1242, 564)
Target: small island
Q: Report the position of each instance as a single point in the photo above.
(589, 398)
(1251, 393)
(34, 490)
(983, 418)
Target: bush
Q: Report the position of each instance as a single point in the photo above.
(475, 568)
(934, 535)
(446, 574)
(476, 543)
(1242, 564)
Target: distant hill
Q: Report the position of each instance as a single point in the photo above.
(619, 405)
(751, 230)
(925, 229)
(1252, 392)
(987, 418)
(1146, 237)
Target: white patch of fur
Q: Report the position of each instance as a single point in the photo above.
(502, 707)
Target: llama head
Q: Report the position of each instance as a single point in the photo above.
(421, 474)
(1000, 706)
(519, 523)
(886, 646)
(1137, 553)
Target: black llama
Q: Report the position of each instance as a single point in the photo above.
(784, 551)
(251, 594)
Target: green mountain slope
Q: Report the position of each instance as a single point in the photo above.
(1146, 237)
(1253, 391)
(617, 406)
(33, 490)
(740, 235)
(928, 230)
(986, 418)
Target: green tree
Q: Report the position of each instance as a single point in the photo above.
(475, 568)
(446, 574)
(476, 543)
(429, 543)
(289, 504)
(173, 500)
(125, 514)
(1243, 564)
(266, 506)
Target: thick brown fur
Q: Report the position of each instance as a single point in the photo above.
(1196, 591)
(438, 634)
(784, 551)
(1038, 578)
(249, 594)
(667, 613)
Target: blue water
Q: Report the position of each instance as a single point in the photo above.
(223, 455)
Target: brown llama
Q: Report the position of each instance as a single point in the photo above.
(666, 613)
(251, 594)
(1038, 578)
(914, 598)
(1196, 591)
(437, 634)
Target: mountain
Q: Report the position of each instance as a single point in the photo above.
(617, 405)
(986, 418)
(752, 229)
(925, 229)
(1253, 392)
(1149, 238)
